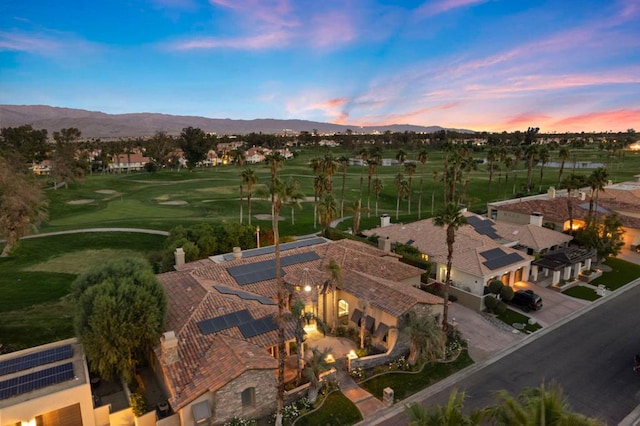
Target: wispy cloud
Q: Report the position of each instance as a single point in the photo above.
(257, 42)
(49, 44)
(437, 7)
(598, 120)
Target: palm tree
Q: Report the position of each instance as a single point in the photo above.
(469, 165)
(329, 168)
(374, 161)
(426, 338)
(364, 155)
(596, 181)
(275, 161)
(356, 209)
(293, 196)
(530, 154)
(433, 191)
(508, 165)
(401, 191)
(537, 406)
(543, 157)
(319, 186)
(297, 313)
(450, 414)
(563, 154)
(423, 156)
(344, 163)
(335, 281)
(328, 211)
(571, 182)
(249, 178)
(451, 219)
(314, 366)
(410, 169)
(364, 307)
(492, 155)
(401, 156)
(377, 188)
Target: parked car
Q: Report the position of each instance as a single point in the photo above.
(527, 300)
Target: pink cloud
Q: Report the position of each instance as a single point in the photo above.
(262, 41)
(51, 44)
(617, 120)
(438, 7)
(331, 28)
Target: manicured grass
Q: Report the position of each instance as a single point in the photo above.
(512, 317)
(406, 384)
(622, 273)
(582, 292)
(37, 277)
(337, 410)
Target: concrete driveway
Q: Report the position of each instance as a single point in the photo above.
(556, 306)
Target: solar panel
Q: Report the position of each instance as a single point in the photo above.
(258, 326)
(493, 253)
(222, 322)
(306, 242)
(36, 380)
(266, 269)
(26, 362)
(483, 227)
(502, 261)
(244, 295)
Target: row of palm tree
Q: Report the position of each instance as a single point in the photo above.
(537, 406)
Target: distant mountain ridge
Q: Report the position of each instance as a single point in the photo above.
(95, 124)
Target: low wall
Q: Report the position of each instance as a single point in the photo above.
(399, 349)
(172, 420)
(469, 300)
(301, 391)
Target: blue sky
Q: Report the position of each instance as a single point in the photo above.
(495, 65)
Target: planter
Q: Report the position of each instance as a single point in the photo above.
(588, 276)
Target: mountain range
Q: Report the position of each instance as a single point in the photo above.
(95, 124)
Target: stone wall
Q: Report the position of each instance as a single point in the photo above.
(228, 399)
(399, 349)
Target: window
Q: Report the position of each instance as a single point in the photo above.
(248, 397)
(343, 308)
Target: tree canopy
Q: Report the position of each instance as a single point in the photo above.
(120, 313)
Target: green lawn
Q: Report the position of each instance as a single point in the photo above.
(405, 384)
(622, 273)
(336, 410)
(582, 292)
(512, 317)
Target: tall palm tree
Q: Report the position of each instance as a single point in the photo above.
(531, 154)
(249, 178)
(401, 156)
(451, 219)
(402, 187)
(410, 169)
(344, 164)
(563, 154)
(377, 188)
(492, 155)
(596, 181)
(571, 182)
(293, 196)
(275, 161)
(423, 157)
(374, 161)
(450, 414)
(468, 165)
(297, 313)
(329, 168)
(433, 191)
(543, 157)
(426, 338)
(328, 211)
(356, 209)
(319, 186)
(364, 155)
(335, 281)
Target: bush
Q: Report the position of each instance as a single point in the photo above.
(495, 286)
(138, 404)
(506, 293)
(500, 308)
(239, 421)
(490, 302)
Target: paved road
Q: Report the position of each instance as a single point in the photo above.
(591, 356)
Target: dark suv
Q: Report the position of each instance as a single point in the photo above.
(527, 300)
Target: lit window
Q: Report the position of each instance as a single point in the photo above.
(248, 397)
(343, 308)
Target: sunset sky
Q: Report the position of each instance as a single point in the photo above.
(495, 65)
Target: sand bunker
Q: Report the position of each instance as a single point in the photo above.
(106, 191)
(80, 202)
(174, 203)
(266, 217)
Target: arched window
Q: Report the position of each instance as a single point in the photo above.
(343, 308)
(249, 397)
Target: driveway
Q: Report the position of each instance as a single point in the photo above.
(556, 306)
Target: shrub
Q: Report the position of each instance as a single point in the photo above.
(239, 421)
(506, 293)
(490, 302)
(138, 404)
(500, 308)
(495, 286)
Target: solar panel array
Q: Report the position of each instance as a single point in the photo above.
(283, 247)
(244, 295)
(36, 380)
(266, 270)
(213, 325)
(26, 362)
(497, 258)
(258, 326)
(483, 227)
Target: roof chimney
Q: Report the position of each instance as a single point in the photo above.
(384, 244)
(179, 258)
(169, 343)
(237, 253)
(385, 220)
(536, 219)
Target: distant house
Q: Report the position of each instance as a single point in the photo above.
(217, 358)
(47, 385)
(134, 161)
(254, 155)
(41, 167)
(484, 250)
